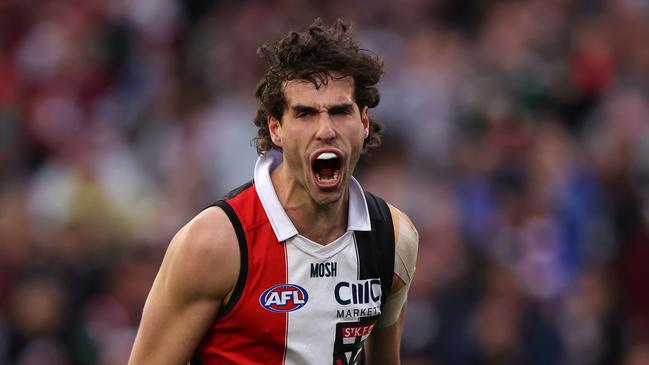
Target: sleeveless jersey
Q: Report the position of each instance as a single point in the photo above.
(296, 301)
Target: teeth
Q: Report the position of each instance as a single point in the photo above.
(326, 156)
(321, 178)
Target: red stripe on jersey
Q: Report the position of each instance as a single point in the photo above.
(250, 333)
(286, 314)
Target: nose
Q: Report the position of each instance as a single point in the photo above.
(326, 130)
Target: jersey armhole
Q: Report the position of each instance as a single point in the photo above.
(382, 241)
(243, 267)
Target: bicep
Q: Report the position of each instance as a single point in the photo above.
(171, 329)
(198, 271)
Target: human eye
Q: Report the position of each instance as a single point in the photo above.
(304, 116)
(303, 113)
(341, 110)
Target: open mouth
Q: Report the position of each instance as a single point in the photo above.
(326, 166)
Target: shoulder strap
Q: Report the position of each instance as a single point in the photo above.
(236, 191)
(376, 248)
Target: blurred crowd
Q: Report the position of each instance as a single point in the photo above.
(517, 139)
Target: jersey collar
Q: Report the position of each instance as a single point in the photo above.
(358, 214)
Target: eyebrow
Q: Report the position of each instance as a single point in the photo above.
(341, 108)
(337, 108)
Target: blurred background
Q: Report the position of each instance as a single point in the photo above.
(517, 139)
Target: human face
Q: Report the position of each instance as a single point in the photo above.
(321, 134)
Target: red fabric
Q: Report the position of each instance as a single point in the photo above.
(250, 334)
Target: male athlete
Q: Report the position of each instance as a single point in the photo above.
(299, 266)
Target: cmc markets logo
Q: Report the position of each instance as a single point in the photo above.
(360, 292)
(284, 298)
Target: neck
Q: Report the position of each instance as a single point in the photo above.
(321, 223)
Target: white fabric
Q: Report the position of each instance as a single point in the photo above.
(312, 330)
(358, 219)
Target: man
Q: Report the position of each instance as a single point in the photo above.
(300, 266)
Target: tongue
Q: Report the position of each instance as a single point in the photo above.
(326, 173)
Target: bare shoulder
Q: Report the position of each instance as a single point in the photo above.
(203, 257)
(198, 271)
(208, 236)
(406, 246)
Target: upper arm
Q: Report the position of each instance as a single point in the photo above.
(198, 271)
(384, 344)
(406, 247)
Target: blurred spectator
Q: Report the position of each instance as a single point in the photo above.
(517, 139)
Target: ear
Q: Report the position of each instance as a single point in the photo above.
(275, 129)
(365, 119)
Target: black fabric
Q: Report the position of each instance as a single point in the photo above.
(376, 248)
(243, 252)
(196, 359)
(238, 190)
(243, 247)
(232, 193)
(376, 252)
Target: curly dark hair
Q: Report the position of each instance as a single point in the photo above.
(317, 55)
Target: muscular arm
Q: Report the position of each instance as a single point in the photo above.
(198, 271)
(384, 344)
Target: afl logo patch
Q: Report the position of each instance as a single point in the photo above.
(284, 298)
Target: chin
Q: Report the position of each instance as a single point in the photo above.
(327, 197)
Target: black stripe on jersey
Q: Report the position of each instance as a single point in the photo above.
(375, 257)
(236, 191)
(243, 249)
(376, 248)
(232, 193)
(243, 252)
